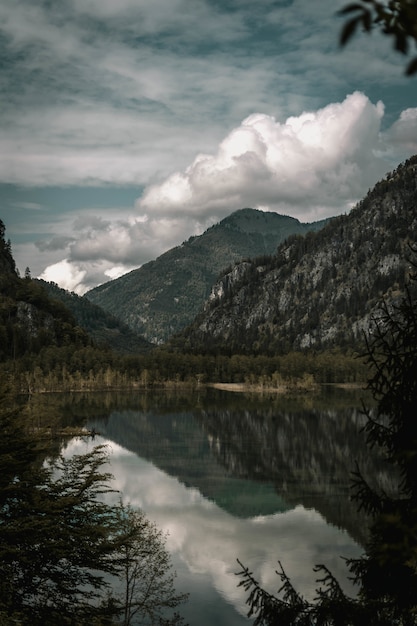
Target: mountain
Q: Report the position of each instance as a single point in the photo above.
(321, 290)
(102, 327)
(163, 296)
(29, 319)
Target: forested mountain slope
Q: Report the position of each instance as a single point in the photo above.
(321, 290)
(102, 327)
(163, 296)
(29, 319)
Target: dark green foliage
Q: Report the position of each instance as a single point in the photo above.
(387, 574)
(29, 319)
(389, 571)
(289, 608)
(7, 264)
(395, 18)
(62, 545)
(53, 529)
(105, 329)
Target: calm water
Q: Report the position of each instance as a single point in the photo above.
(232, 476)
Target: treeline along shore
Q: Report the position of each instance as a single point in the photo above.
(64, 369)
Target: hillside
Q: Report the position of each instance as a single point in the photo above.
(163, 296)
(321, 290)
(102, 327)
(29, 319)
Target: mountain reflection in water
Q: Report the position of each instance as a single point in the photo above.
(230, 477)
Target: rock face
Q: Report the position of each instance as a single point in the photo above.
(320, 290)
(163, 296)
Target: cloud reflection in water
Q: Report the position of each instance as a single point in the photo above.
(205, 541)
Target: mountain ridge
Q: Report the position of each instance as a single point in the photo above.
(29, 319)
(103, 328)
(321, 290)
(164, 295)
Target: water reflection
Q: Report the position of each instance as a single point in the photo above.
(229, 476)
(205, 540)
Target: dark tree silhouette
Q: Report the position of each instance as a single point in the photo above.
(64, 551)
(386, 574)
(395, 18)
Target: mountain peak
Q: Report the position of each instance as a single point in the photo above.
(257, 221)
(319, 291)
(163, 296)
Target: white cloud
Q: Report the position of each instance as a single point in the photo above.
(403, 133)
(104, 93)
(115, 272)
(65, 274)
(315, 164)
(311, 166)
(108, 248)
(129, 242)
(100, 102)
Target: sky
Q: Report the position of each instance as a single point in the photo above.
(128, 126)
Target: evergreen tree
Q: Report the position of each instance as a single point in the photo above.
(387, 573)
(61, 544)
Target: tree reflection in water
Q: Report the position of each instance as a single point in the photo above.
(232, 476)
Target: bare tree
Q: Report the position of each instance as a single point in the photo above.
(148, 595)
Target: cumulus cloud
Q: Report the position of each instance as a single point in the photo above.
(129, 242)
(403, 133)
(102, 249)
(56, 243)
(315, 164)
(310, 166)
(116, 92)
(127, 93)
(65, 274)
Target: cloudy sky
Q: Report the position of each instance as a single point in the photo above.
(129, 125)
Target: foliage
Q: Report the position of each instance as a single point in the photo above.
(44, 349)
(49, 532)
(387, 573)
(145, 572)
(105, 329)
(60, 543)
(88, 369)
(395, 18)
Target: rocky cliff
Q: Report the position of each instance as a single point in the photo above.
(320, 290)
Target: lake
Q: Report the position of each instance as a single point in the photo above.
(235, 476)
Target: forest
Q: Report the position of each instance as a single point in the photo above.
(44, 349)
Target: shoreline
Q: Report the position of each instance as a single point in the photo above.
(283, 389)
(249, 388)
